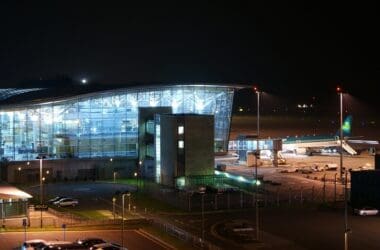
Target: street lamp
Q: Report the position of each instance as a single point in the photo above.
(256, 89)
(346, 229)
(113, 207)
(137, 185)
(41, 188)
(139, 173)
(129, 209)
(340, 92)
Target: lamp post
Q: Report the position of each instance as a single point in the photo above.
(340, 92)
(113, 171)
(346, 229)
(139, 173)
(136, 178)
(41, 188)
(114, 176)
(256, 156)
(203, 218)
(122, 223)
(113, 207)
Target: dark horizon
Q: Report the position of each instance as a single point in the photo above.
(295, 51)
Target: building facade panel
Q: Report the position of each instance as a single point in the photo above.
(104, 124)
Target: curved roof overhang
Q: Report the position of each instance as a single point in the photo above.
(67, 96)
(10, 192)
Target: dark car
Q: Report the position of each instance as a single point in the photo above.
(69, 246)
(89, 242)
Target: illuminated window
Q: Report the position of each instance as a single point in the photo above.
(181, 144)
(181, 130)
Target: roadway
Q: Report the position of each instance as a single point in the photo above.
(297, 228)
(133, 239)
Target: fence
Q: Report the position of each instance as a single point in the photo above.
(180, 234)
(275, 196)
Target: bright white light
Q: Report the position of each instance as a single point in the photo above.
(175, 104)
(84, 81)
(48, 119)
(199, 105)
(117, 103)
(181, 144)
(241, 178)
(153, 102)
(181, 130)
(34, 118)
(133, 102)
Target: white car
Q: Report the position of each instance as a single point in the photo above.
(42, 244)
(65, 202)
(366, 211)
(33, 244)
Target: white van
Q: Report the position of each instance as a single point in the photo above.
(331, 166)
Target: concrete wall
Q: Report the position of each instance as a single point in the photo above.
(197, 156)
(199, 145)
(69, 169)
(168, 149)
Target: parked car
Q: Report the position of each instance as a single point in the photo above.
(108, 246)
(89, 242)
(305, 170)
(288, 170)
(33, 244)
(65, 202)
(366, 211)
(331, 166)
(57, 198)
(64, 246)
(317, 168)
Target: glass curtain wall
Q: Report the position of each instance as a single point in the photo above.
(104, 124)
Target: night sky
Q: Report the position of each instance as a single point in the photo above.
(291, 50)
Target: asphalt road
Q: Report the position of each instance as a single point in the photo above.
(306, 228)
(133, 239)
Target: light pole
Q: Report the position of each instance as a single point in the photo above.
(136, 178)
(203, 218)
(346, 229)
(122, 223)
(257, 155)
(114, 176)
(340, 92)
(41, 189)
(139, 173)
(113, 207)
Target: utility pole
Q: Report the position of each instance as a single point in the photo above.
(256, 156)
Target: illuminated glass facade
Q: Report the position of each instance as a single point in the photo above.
(104, 124)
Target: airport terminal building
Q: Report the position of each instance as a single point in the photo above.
(99, 128)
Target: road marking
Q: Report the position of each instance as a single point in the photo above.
(154, 239)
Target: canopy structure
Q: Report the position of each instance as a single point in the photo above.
(9, 92)
(10, 192)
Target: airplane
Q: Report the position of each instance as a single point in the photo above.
(310, 145)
